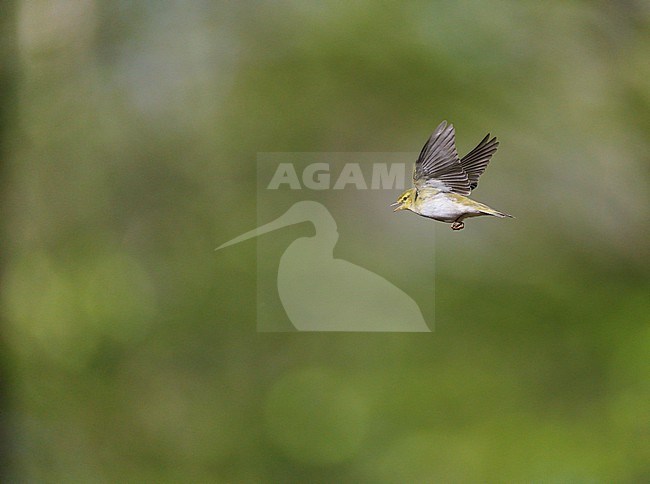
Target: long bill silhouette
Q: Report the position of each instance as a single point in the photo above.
(322, 293)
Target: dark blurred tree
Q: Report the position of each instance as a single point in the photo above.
(8, 76)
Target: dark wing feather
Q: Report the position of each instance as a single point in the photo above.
(476, 161)
(438, 165)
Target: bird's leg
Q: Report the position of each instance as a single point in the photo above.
(457, 225)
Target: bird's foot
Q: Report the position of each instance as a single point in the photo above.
(457, 226)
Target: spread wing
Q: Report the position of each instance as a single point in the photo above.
(476, 161)
(438, 165)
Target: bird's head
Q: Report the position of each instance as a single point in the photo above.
(405, 200)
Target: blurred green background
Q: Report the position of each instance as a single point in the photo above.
(129, 138)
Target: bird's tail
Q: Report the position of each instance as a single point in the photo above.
(490, 211)
(496, 213)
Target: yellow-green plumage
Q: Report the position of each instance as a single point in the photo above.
(442, 180)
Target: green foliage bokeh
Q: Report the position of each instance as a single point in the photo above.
(132, 346)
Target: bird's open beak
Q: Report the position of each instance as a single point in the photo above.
(397, 205)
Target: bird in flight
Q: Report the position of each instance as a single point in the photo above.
(442, 180)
